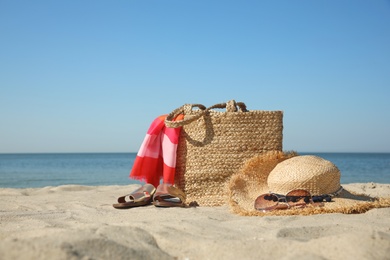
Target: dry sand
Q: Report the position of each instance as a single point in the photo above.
(79, 222)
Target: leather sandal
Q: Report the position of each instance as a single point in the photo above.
(169, 196)
(140, 197)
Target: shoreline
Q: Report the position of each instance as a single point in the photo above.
(79, 222)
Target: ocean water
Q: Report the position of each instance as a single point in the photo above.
(40, 170)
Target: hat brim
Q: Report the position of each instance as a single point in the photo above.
(251, 181)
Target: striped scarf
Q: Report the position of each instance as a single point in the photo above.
(156, 158)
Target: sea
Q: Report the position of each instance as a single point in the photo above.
(93, 169)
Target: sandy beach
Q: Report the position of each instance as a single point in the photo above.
(79, 222)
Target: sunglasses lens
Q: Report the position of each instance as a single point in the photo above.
(298, 197)
(266, 201)
(318, 199)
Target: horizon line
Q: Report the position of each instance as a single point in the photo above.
(303, 152)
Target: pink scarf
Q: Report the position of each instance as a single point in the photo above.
(156, 158)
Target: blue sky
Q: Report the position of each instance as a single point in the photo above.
(90, 76)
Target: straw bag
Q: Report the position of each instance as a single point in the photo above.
(213, 145)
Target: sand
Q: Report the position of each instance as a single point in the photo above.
(79, 222)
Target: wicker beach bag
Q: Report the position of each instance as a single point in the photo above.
(213, 144)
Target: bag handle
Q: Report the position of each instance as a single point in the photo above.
(231, 106)
(185, 109)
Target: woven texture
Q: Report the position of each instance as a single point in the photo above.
(309, 172)
(214, 146)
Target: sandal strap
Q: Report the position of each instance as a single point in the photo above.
(145, 191)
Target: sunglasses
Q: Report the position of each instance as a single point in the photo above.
(298, 198)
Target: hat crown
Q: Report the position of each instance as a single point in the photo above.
(309, 172)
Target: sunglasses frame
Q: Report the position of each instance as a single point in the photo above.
(282, 203)
(285, 201)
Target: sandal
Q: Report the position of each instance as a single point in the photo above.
(168, 196)
(140, 197)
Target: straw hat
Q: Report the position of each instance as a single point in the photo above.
(280, 172)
